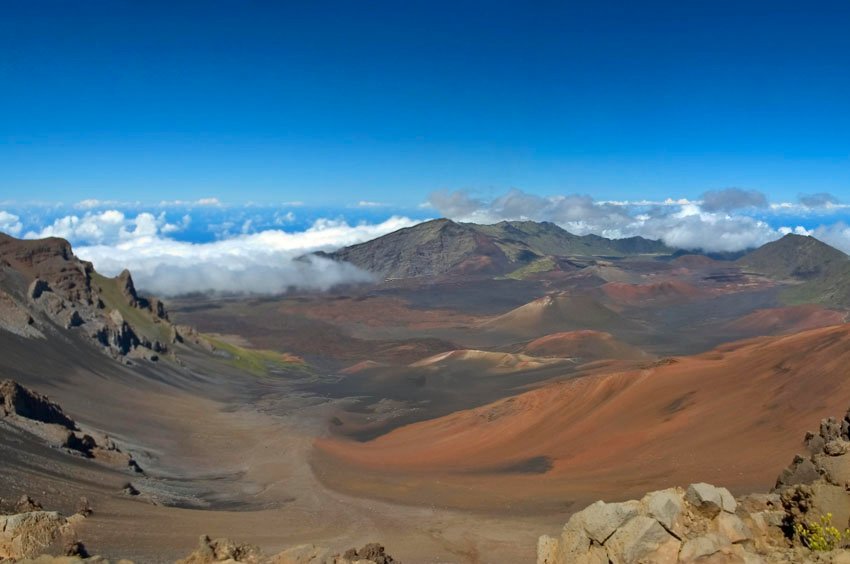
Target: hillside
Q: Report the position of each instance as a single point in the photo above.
(726, 414)
(795, 256)
(557, 313)
(822, 273)
(45, 288)
(444, 247)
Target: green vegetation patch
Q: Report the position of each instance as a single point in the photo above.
(143, 322)
(259, 362)
(544, 264)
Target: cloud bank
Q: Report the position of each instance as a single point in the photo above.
(10, 223)
(268, 262)
(721, 221)
(181, 246)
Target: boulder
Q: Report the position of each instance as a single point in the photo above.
(709, 500)
(642, 539)
(835, 469)
(26, 504)
(372, 552)
(666, 507)
(26, 535)
(222, 550)
(732, 528)
(800, 471)
(547, 550)
(600, 520)
(302, 554)
(701, 547)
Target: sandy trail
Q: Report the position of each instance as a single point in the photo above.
(226, 454)
(270, 455)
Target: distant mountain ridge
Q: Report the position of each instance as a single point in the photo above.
(822, 272)
(444, 247)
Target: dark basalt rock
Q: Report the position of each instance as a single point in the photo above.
(18, 400)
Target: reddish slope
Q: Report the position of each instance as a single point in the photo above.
(733, 416)
(787, 320)
(584, 345)
(556, 313)
(659, 292)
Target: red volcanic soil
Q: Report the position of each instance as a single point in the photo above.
(734, 416)
(666, 291)
(557, 313)
(586, 345)
(787, 320)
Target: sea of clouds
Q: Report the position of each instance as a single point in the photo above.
(177, 247)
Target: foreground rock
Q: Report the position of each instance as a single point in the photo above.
(817, 483)
(704, 523)
(225, 550)
(25, 535)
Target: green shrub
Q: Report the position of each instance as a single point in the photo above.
(821, 535)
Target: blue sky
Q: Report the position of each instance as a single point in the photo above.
(332, 103)
(205, 145)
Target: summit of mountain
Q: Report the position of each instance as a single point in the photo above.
(819, 273)
(443, 247)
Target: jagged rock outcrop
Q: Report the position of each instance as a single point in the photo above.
(704, 523)
(225, 550)
(18, 400)
(16, 319)
(42, 284)
(817, 484)
(36, 414)
(25, 535)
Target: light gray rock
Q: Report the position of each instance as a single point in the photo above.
(573, 544)
(836, 469)
(599, 520)
(701, 547)
(709, 500)
(666, 507)
(547, 550)
(732, 528)
(642, 539)
(303, 554)
(25, 535)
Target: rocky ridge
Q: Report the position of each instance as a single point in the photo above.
(44, 288)
(704, 523)
(442, 247)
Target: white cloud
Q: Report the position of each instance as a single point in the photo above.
(108, 225)
(264, 262)
(202, 202)
(10, 223)
(93, 203)
(679, 223)
(837, 235)
(367, 204)
(280, 218)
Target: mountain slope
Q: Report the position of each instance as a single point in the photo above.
(555, 314)
(432, 248)
(444, 247)
(795, 256)
(724, 414)
(822, 273)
